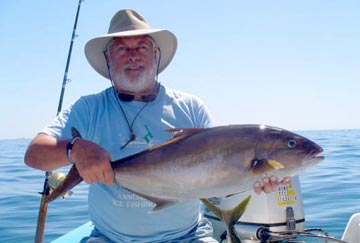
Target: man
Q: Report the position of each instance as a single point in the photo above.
(126, 118)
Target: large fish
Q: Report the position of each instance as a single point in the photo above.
(212, 162)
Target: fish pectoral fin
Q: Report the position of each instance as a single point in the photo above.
(275, 164)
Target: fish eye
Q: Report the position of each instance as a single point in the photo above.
(256, 164)
(291, 143)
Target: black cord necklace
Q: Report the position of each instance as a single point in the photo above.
(130, 126)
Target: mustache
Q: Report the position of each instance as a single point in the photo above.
(136, 64)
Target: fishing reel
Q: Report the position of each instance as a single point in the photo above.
(55, 180)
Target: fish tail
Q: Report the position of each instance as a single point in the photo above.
(72, 179)
(229, 217)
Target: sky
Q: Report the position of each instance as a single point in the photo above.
(293, 64)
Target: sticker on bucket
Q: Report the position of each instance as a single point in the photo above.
(286, 195)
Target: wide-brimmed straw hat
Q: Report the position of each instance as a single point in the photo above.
(126, 23)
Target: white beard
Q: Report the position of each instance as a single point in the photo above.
(141, 84)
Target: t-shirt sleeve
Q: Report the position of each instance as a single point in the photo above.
(76, 115)
(201, 113)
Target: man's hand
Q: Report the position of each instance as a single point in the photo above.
(92, 162)
(270, 184)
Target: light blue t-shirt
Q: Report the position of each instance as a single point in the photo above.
(118, 214)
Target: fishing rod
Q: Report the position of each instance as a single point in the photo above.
(39, 235)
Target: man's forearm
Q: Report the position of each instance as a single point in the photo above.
(46, 153)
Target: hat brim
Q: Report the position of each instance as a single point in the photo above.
(94, 48)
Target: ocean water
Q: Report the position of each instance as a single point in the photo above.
(330, 190)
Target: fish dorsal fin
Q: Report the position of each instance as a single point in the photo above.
(179, 134)
(185, 132)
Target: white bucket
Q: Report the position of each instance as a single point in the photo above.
(279, 211)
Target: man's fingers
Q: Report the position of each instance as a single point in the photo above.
(270, 184)
(286, 181)
(267, 185)
(86, 179)
(109, 177)
(274, 183)
(258, 188)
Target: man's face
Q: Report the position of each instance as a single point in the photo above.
(132, 62)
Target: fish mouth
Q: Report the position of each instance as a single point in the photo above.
(316, 159)
(315, 155)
